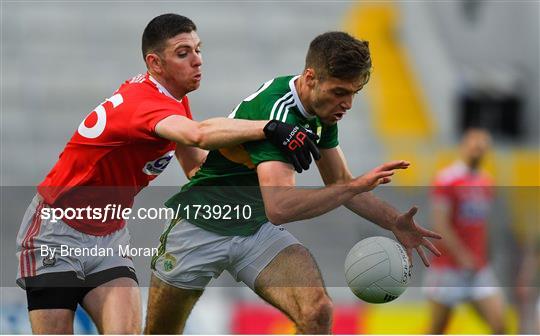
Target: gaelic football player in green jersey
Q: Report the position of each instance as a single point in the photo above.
(231, 212)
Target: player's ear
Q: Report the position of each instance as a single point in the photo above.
(153, 63)
(309, 75)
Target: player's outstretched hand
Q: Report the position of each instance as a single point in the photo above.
(413, 236)
(296, 142)
(379, 175)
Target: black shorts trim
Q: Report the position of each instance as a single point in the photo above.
(64, 290)
(59, 290)
(99, 278)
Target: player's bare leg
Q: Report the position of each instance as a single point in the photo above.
(168, 307)
(440, 316)
(115, 307)
(293, 284)
(52, 321)
(491, 309)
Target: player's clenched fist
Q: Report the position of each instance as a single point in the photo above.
(379, 175)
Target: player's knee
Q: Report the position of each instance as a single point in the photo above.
(128, 324)
(170, 326)
(325, 308)
(437, 328)
(316, 316)
(127, 329)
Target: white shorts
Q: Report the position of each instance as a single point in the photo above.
(451, 286)
(189, 256)
(36, 233)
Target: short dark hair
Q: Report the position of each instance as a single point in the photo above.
(339, 55)
(162, 28)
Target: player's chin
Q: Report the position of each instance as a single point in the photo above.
(329, 121)
(195, 85)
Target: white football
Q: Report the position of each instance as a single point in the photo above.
(377, 269)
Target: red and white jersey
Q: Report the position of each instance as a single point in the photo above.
(114, 153)
(469, 195)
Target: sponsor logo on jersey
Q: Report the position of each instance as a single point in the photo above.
(158, 165)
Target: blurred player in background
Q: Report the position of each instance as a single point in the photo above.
(116, 151)
(527, 280)
(257, 249)
(461, 200)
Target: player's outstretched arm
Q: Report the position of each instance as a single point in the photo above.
(333, 169)
(211, 133)
(225, 132)
(285, 203)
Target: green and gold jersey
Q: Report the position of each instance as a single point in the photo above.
(224, 195)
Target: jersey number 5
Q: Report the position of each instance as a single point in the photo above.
(99, 127)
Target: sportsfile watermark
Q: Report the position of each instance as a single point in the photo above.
(329, 237)
(113, 212)
(125, 251)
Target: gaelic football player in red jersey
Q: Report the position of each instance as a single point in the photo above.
(116, 151)
(462, 195)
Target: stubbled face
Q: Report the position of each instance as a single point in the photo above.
(474, 146)
(331, 98)
(179, 64)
